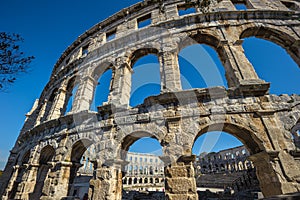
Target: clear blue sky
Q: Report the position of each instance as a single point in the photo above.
(49, 27)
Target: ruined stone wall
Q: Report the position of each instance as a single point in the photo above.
(48, 150)
(228, 160)
(143, 172)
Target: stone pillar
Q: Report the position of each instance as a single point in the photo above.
(169, 69)
(107, 182)
(270, 182)
(10, 184)
(180, 179)
(9, 174)
(240, 72)
(58, 104)
(61, 179)
(41, 113)
(284, 166)
(122, 84)
(29, 181)
(84, 95)
(73, 172)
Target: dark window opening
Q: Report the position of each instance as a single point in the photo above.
(71, 99)
(68, 60)
(289, 5)
(85, 50)
(144, 21)
(240, 4)
(111, 35)
(183, 10)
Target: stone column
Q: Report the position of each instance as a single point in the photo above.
(169, 69)
(27, 184)
(277, 160)
(180, 179)
(61, 179)
(122, 84)
(107, 182)
(239, 71)
(24, 182)
(73, 172)
(10, 185)
(58, 104)
(84, 95)
(41, 113)
(270, 182)
(9, 175)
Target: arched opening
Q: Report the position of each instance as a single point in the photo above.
(49, 104)
(200, 67)
(82, 166)
(273, 64)
(227, 169)
(104, 85)
(145, 80)
(46, 156)
(70, 95)
(280, 38)
(144, 151)
(21, 173)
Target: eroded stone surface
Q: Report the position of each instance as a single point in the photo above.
(264, 123)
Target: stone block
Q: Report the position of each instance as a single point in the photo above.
(176, 171)
(180, 185)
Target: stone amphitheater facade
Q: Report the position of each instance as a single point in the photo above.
(228, 160)
(144, 172)
(45, 158)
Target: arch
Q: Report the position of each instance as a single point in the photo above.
(273, 65)
(49, 104)
(145, 81)
(213, 41)
(103, 77)
(200, 67)
(209, 47)
(136, 54)
(247, 137)
(282, 38)
(22, 156)
(130, 181)
(24, 159)
(78, 149)
(151, 180)
(46, 155)
(131, 138)
(144, 163)
(71, 91)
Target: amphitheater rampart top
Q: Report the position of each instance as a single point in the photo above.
(163, 11)
(119, 36)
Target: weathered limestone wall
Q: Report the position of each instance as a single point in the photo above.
(52, 142)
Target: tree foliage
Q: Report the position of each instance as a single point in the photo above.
(12, 60)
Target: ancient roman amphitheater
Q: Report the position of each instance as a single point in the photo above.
(44, 161)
